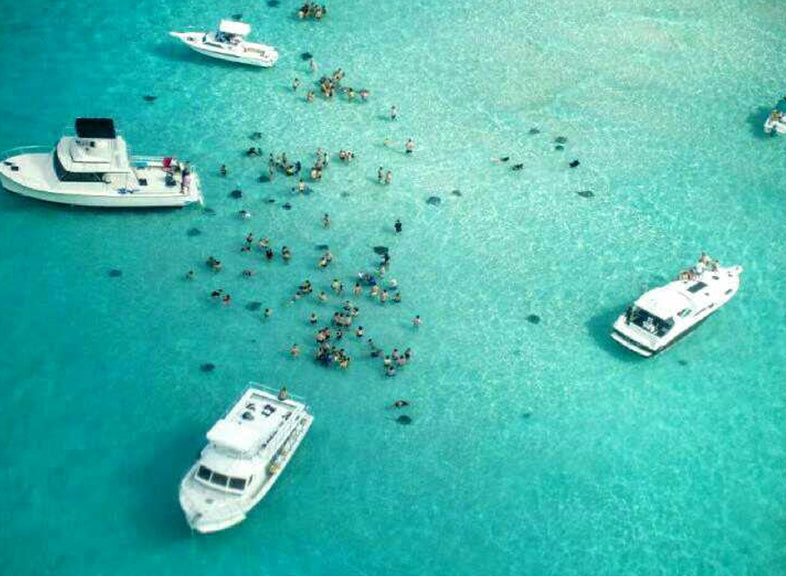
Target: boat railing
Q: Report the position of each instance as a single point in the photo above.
(5, 154)
(275, 392)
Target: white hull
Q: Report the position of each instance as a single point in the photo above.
(714, 289)
(250, 58)
(109, 200)
(774, 127)
(245, 504)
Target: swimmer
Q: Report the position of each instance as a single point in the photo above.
(264, 243)
(517, 167)
(328, 256)
(380, 175)
(322, 263)
(383, 297)
(227, 299)
(250, 238)
(500, 160)
(359, 332)
(364, 94)
(269, 254)
(322, 297)
(295, 84)
(357, 290)
(286, 254)
(374, 291)
(216, 293)
(387, 362)
(312, 66)
(397, 297)
(223, 170)
(388, 177)
(301, 186)
(326, 220)
(268, 312)
(393, 113)
(416, 321)
(244, 214)
(409, 147)
(392, 283)
(398, 226)
(283, 394)
(408, 353)
(390, 372)
(294, 351)
(310, 96)
(190, 275)
(313, 318)
(248, 273)
(335, 285)
(400, 404)
(214, 264)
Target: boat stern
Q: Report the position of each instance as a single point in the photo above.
(208, 510)
(642, 345)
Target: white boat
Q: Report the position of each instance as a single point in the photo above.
(247, 451)
(776, 121)
(94, 168)
(228, 43)
(663, 315)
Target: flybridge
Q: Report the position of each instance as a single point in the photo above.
(103, 128)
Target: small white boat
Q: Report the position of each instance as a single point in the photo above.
(663, 315)
(94, 168)
(228, 43)
(247, 451)
(776, 121)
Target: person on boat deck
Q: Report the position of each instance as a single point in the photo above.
(283, 394)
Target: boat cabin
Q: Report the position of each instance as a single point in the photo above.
(94, 152)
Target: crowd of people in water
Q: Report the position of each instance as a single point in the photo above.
(312, 10)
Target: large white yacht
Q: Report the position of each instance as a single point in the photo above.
(776, 121)
(94, 168)
(229, 43)
(663, 315)
(247, 451)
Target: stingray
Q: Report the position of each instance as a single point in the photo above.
(209, 211)
(533, 319)
(115, 273)
(237, 16)
(559, 147)
(271, 200)
(517, 167)
(682, 362)
(534, 131)
(434, 201)
(404, 420)
(586, 193)
(456, 193)
(149, 98)
(256, 135)
(574, 164)
(287, 206)
(526, 415)
(345, 194)
(560, 139)
(380, 250)
(306, 56)
(207, 367)
(236, 193)
(322, 247)
(194, 232)
(253, 306)
(273, 3)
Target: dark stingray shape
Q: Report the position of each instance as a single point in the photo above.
(237, 16)
(682, 362)
(149, 98)
(380, 250)
(561, 139)
(256, 135)
(534, 131)
(322, 247)
(559, 147)
(115, 273)
(457, 193)
(306, 56)
(287, 206)
(404, 420)
(434, 201)
(237, 193)
(345, 194)
(273, 3)
(207, 367)
(574, 164)
(271, 200)
(526, 415)
(586, 193)
(209, 211)
(533, 319)
(194, 232)
(253, 306)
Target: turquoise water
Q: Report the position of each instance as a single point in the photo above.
(534, 448)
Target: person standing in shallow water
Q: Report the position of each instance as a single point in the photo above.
(393, 113)
(398, 226)
(326, 220)
(295, 84)
(409, 146)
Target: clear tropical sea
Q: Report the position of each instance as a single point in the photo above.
(536, 449)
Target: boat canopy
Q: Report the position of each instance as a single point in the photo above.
(95, 128)
(234, 28)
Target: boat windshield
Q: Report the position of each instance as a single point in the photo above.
(221, 480)
(649, 322)
(65, 176)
